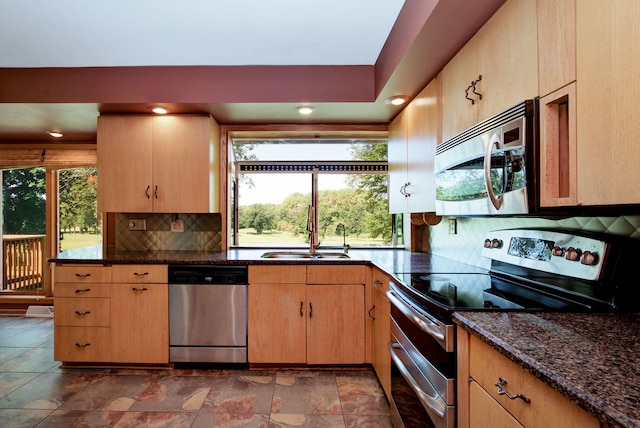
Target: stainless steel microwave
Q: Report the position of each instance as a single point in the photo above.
(489, 169)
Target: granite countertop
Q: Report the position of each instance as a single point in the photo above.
(592, 359)
(392, 261)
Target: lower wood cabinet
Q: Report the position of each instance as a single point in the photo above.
(483, 377)
(306, 314)
(111, 314)
(381, 358)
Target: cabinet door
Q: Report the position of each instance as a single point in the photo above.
(397, 162)
(556, 44)
(608, 90)
(124, 147)
(508, 58)
(422, 137)
(277, 323)
(381, 358)
(459, 113)
(486, 412)
(182, 155)
(140, 323)
(335, 326)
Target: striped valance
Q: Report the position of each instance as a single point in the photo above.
(326, 167)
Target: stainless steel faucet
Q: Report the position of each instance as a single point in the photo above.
(345, 247)
(312, 229)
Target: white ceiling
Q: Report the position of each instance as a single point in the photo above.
(64, 62)
(99, 33)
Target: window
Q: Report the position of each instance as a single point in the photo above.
(344, 180)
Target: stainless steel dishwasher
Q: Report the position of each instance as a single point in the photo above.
(208, 313)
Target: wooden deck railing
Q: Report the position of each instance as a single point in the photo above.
(24, 263)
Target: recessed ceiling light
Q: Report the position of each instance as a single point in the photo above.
(397, 100)
(159, 110)
(305, 109)
(55, 134)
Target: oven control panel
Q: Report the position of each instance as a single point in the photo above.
(550, 251)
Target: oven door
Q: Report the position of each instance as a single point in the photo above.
(423, 373)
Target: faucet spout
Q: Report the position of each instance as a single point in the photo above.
(311, 228)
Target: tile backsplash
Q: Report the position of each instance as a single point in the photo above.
(466, 244)
(202, 232)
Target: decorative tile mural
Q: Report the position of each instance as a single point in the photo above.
(202, 232)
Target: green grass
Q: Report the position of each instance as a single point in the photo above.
(78, 240)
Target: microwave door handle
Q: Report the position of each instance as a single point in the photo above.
(495, 200)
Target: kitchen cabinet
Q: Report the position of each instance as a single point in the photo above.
(587, 126)
(381, 358)
(145, 164)
(277, 324)
(486, 377)
(140, 314)
(306, 314)
(607, 93)
(111, 314)
(413, 136)
(502, 60)
(82, 316)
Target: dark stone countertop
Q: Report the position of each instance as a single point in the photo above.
(391, 261)
(592, 359)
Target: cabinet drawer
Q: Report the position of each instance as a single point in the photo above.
(333, 274)
(66, 289)
(82, 344)
(140, 274)
(74, 312)
(546, 408)
(82, 274)
(292, 274)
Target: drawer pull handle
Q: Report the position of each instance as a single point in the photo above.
(83, 275)
(502, 382)
(82, 290)
(370, 312)
(81, 314)
(138, 290)
(141, 275)
(301, 313)
(79, 346)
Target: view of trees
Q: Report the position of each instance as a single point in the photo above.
(362, 207)
(24, 200)
(78, 200)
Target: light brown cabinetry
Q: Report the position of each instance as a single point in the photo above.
(381, 358)
(82, 316)
(111, 314)
(413, 136)
(140, 314)
(146, 163)
(277, 328)
(587, 154)
(498, 392)
(306, 314)
(502, 59)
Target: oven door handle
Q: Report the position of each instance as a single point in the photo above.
(435, 402)
(425, 324)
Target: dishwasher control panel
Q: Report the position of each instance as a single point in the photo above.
(208, 274)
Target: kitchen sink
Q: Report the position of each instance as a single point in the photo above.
(303, 255)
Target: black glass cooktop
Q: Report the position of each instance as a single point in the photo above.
(442, 294)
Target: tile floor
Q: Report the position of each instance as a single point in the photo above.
(36, 392)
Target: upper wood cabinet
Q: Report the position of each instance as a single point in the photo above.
(166, 164)
(556, 44)
(589, 123)
(413, 136)
(607, 94)
(502, 58)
